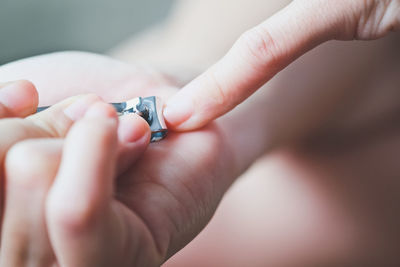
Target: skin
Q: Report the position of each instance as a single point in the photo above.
(261, 52)
(97, 135)
(340, 97)
(184, 146)
(302, 128)
(17, 99)
(20, 99)
(161, 207)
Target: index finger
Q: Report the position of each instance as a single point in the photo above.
(257, 56)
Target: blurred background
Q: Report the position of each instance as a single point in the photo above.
(30, 28)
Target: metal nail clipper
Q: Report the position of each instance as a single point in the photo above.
(149, 108)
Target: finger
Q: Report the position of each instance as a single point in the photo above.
(17, 99)
(57, 119)
(30, 169)
(54, 122)
(134, 137)
(83, 189)
(256, 57)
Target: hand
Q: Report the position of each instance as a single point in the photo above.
(268, 48)
(19, 99)
(168, 196)
(54, 122)
(83, 187)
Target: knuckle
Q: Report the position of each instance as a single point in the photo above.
(259, 46)
(51, 123)
(218, 91)
(71, 215)
(20, 158)
(376, 19)
(26, 164)
(54, 121)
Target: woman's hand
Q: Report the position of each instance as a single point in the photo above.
(85, 226)
(161, 202)
(20, 100)
(268, 48)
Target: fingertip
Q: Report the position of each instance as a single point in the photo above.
(20, 97)
(134, 135)
(133, 128)
(177, 111)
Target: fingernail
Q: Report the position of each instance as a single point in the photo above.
(177, 111)
(101, 110)
(133, 129)
(79, 107)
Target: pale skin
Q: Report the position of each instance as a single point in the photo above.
(167, 206)
(245, 151)
(266, 49)
(54, 123)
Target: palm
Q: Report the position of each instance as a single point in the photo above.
(169, 195)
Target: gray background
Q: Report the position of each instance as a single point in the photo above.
(31, 27)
